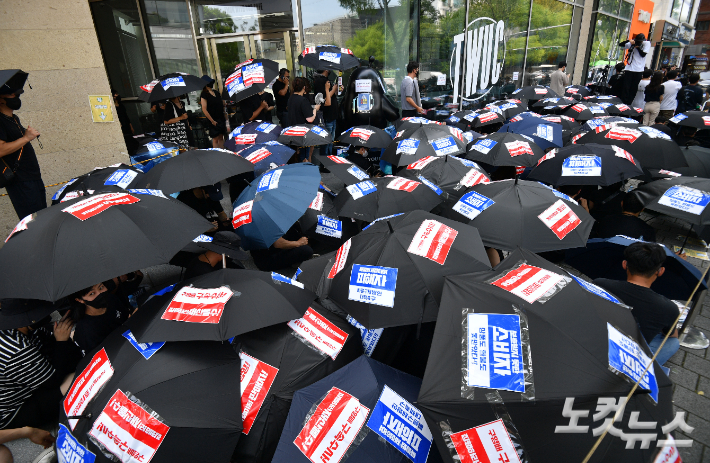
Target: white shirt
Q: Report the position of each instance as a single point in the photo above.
(639, 101)
(670, 92)
(636, 61)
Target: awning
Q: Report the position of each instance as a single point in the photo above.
(671, 45)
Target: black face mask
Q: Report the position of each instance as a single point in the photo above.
(13, 103)
(100, 302)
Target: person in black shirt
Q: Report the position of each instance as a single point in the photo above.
(628, 222)
(209, 254)
(654, 313)
(26, 190)
(206, 202)
(653, 95)
(300, 110)
(213, 109)
(322, 85)
(253, 108)
(269, 99)
(282, 92)
(126, 126)
(291, 249)
(690, 97)
(175, 125)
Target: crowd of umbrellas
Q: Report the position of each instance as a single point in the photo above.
(400, 342)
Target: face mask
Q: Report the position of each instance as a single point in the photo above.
(99, 302)
(13, 103)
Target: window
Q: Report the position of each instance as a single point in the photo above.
(682, 10)
(702, 25)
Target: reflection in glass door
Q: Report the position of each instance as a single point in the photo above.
(227, 53)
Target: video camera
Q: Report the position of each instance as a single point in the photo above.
(639, 40)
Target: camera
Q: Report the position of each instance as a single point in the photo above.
(639, 39)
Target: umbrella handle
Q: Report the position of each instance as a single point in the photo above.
(686, 239)
(224, 261)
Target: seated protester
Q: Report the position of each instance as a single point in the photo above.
(97, 313)
(35, 435)
(661, 124)
(208, 256)
(365, 159)
(654, 313)
(206, 201)
(289, 250)
(36, 363)
(627, 223)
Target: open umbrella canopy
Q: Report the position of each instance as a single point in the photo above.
(320, 223)
(448, 173)
(193, 169)
(588, 164)
(252, 133)
(557, 102)
(290, 356)
(12, 79)
(696, 119)
(577, 90)
(102, 179)
(274, 201)
(544, 133)
(428, 140)
(304, 135)
(603, 99)
(566, 122)
(153, 152)
(328, 57)
(171, 85)
(602, 258)
(413, 122)
(508, 108)
(398, 263)
(265, 156)
(87, 240)
(250, 77)
(382, 197)
(512, 213)
(147, 402)
(511, 346)
(535, 92)
(220, 305)
(698, 159)
(505, 149)
(342, 168)
(582, 112)
(685, 198)
(365, 135)
(624, 110)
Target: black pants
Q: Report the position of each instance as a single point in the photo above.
(276, 259)
(27, 197)
(631, 84)
(283, 118)
(409, 113)
(41, 408)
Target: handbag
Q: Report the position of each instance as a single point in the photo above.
(7, 175)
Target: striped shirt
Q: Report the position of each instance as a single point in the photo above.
(22, 370)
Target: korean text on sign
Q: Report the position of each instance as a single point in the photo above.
(472, 204)
(494, 353)
(69, 450)
(373, 285)
(320, 332)
(256, 380)
(95, 205)
(488, 443)
(433, 240)
(627, 357)
(685, 199)
(330, 432)
(87, 385)
(197, 305)
(528, 282)
(560, 219)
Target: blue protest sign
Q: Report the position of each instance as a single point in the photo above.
(265, 127)
(269, 180)
(369, 338)
(401, 424)
(627, 358)
(677, 118)
(319, 131)
(430, 184)
(59, 192)
(373, 285)
(407, 146)
(594, 123)
(582, 166)
(545, 131)
(172, 82)
(444, 146)
(142, 191)
(122, 178)
(454, 119)
(329, 56)
(472, 203)
(146, 349)
(358, 173)
(685, 199)
(494, 355)
(361, 189)
(594, 289)
(284, 279)
(329, 227)
(69, 450)
(484, 145)
(154, 146)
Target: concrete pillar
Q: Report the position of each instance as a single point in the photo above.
(55, 42)
(585, 37)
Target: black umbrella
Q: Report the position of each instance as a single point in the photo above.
(367, 136)
(149, 402)
(320, 223)
(535, 92)
(328, 57)
(11, 80)
(171, 85)
(250, 77)
(153, 152)
(696, 119)
(505, 149)
(193, 169)
(698, 159)
(413, 122)
(588, 164)
(603, 99)
(566, 122)
(544, 336)
(76, 244)
(558, 102)
(685, 198)
(380, 197)
(577, 90)
(428, 140)
(448, 173)
(650, 147)
(342, 168)
(251, 133)
(291, 357)
(582, 112)
(305, 135)
(103, 179)
(18, 313)
(624, 110)
(219, 305)
(509, 108)
(512, 213)
(398, 264)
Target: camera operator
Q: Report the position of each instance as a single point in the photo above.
(635, 63)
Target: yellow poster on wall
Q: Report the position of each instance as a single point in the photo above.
(101, 108)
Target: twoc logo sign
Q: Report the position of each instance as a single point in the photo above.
(485, 55)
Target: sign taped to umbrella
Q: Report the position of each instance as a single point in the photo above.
(198, 305)
(95, 205)
(685, 199)
(401, 424)
(487, 443)
(369, 338)
(433, 240)
(331, 430)
(628, 360)
(317, 331)
(372, 284)
(560, 219)
(582, 166)
(256, 380)
(530, 283)
(69, 450)
(87, 385)
(472, 204)
(127, 430)
(329, 227)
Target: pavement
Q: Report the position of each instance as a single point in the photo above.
(690, 368)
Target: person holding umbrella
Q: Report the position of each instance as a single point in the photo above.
(21, 175)
(213, 109)
(175, 125)
(322, 85)
(291, 249)
(627, 223)
(654, 313)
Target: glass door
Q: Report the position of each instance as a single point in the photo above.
(226, 54)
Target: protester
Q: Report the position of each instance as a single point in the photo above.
(654, 313)
(627, 223)
(269, 99)
(158, 108)
(224, 248)
(366, 159)
(25, 187)
(288, 251)
(253, 108)
(206, 202)
(639, 101)
(213, 109)
(36, 366)
(411, 100)
(669, 103)
(690, 97)
(35, 435)
(635, 63)
(653, 95)
(662, 125)
(322, 85)
(300, 110)
(175, 125)
(559, 80)
(122, 114)
(282, 92)
(616, 81)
